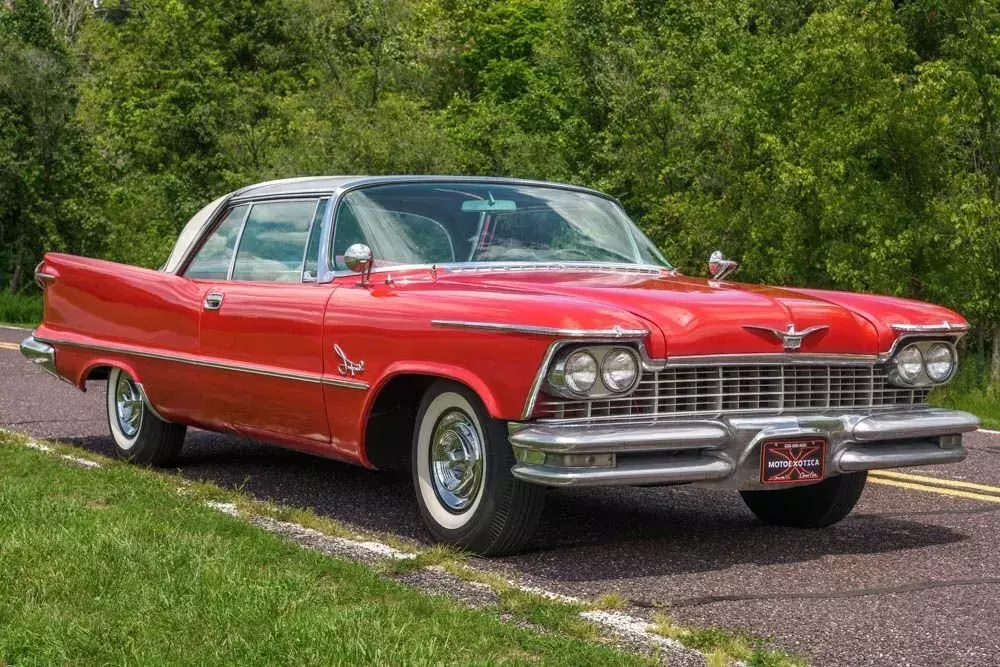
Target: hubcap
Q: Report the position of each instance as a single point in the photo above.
(128, 406)
(456, 460)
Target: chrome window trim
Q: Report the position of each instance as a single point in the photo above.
(207, 363)
(252, 204)
(305, 250)
(239, 240)
(210, 228)
(615, 333)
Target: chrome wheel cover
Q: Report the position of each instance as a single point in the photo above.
(128, 406)
(456, 455)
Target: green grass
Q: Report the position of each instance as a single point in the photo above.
(114, 565)
(20, 308)
(723, 647)
(970, 391)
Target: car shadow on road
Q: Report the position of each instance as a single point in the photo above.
(585, 534)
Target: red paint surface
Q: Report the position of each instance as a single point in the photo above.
(292, 328)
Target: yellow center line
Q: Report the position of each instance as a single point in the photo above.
(955, 493)
(8, 346)
(934, 481)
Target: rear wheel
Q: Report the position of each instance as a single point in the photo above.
(461, 474)
(138, 434)
(814, 506)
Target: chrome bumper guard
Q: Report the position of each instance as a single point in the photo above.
(724, 452)
(42, 354)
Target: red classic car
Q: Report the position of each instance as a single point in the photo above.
(499, 336)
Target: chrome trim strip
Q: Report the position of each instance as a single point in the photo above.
(149, 403)
(536, 385)
(349, 384)
(525, 267)
(770, 359)
(205, 363)
(944, 327)
(616, 333)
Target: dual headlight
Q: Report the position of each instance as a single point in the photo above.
(923, 363)
(592, 372)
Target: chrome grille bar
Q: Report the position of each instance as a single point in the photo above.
(715, 390)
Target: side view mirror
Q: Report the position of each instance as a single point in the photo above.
(358, 258)
(719, 267)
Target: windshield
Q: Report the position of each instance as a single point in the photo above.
(441, 223)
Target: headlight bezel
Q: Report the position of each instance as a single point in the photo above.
(555, 377)
(924, 377)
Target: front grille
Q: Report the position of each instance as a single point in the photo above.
(707, 391)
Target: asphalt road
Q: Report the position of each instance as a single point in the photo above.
(910, 578)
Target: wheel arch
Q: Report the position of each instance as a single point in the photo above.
(391, 412)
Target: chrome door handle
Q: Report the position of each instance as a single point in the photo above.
(213, 301)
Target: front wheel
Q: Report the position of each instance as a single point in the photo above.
(814, 506)
(139, 434)
(461, 474)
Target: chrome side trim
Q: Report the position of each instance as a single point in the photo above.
(348, 384)
(149, 403)
(944, 327)
(616, 333)
(206, 363)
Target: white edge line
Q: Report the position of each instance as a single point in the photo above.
(13, 328)
(371, 546)
(618, 623)
(989, 430)
(86, 463)
(630, 626)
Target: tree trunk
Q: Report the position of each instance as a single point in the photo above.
(995, 360)
(15, 280)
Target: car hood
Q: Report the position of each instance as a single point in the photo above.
(698, 316)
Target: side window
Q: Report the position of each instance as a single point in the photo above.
(216, 254)
(312, 248)
(273, 243)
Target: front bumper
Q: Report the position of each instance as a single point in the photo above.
(725, 452)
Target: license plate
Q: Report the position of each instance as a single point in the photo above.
(790, 461)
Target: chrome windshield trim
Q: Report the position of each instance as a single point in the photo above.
(615, 333)
(515, 267)
(207, 363)
(945, 328)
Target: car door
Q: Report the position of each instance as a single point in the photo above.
(261, 332)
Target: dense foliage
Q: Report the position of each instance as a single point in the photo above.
(842, 143)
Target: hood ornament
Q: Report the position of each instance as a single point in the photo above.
(719, 267)
(790, 338)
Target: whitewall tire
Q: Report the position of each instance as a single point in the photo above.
(137, 432)
(461, 475)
